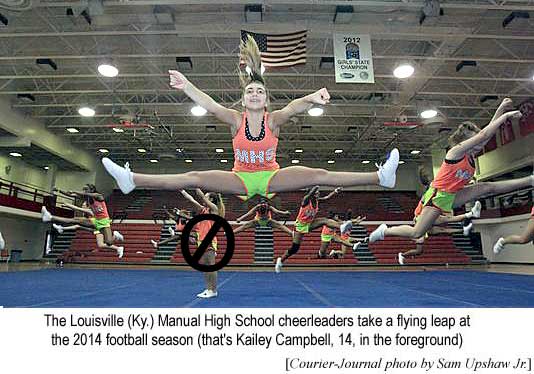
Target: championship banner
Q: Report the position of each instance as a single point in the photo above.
(353, 58)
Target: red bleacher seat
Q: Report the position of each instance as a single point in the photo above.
(137, 247)
(436, 249)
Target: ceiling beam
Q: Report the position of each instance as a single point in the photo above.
(331, 104)
(400, 4)
(232, 56)
(215, 91)
(316, 30)
(273, 75)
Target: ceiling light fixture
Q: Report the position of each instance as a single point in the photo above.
(428, 113)
(316, 111)
(403, 71)
(108, 70)
(198, 111)
(85, 111)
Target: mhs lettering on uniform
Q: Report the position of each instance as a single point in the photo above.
(463, 174)
(253, 157)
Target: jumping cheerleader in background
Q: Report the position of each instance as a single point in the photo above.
(449, 188)
(211, 203)
(99, 222)
(263, 217)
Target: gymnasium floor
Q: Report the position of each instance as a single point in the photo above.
(170, 288)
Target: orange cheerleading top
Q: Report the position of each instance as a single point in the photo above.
(307, 213)
(327, 230)
(345, 236)
(255, 155)
(454, 175)
(99, 209)
(180, 225)
(204, 227)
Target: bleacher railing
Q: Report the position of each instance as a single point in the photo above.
(31, 193)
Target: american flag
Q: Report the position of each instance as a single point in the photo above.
(280, 50)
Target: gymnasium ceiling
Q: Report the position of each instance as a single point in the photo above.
(144, 37)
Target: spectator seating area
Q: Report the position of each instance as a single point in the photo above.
(138, 250)
(145, 204)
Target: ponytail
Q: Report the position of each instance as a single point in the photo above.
(249, 53)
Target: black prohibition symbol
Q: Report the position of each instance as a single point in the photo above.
(194, 259)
